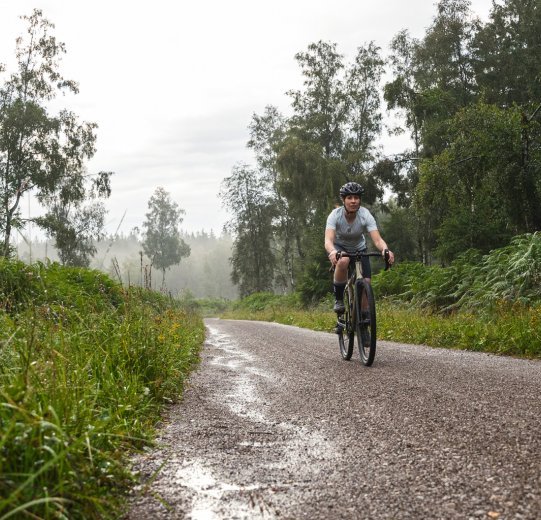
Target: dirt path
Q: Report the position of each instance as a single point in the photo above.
(275, 425)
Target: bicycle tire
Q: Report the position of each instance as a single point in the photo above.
(346, 335)
(365, 326)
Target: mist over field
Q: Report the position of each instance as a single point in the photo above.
(205, 273)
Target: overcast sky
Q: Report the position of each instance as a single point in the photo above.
(173, 84)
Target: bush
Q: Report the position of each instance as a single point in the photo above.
(17, 284)
(511, 274)
(256, 302)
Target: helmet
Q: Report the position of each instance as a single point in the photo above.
(351, 188)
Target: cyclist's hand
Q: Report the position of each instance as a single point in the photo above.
(389, 255)
(332, 257)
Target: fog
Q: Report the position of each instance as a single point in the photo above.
(205, 273)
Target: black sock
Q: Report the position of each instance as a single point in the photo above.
(339, 290)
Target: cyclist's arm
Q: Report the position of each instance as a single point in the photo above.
(381, 244)
(330, 235)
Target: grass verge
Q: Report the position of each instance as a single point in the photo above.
(513, 330)
(85, 370)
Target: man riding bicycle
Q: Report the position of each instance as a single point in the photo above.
(344, 232)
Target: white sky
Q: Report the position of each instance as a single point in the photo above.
(173, 84)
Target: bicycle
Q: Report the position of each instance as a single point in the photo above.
(359, 317)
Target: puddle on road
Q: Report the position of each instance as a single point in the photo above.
(214, 495)
(242, 399)
(209, 493)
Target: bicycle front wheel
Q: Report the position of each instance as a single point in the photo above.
(345, 327)
(365, 326)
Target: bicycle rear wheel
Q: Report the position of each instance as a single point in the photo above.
(345, 327)
(365, 312)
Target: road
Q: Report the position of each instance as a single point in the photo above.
(274, 424)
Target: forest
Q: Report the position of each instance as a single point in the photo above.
(468, 94)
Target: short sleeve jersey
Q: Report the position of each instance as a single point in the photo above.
(350, 237)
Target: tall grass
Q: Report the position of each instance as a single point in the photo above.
(511, 330)
(85, 369)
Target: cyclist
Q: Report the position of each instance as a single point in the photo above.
(345, 232)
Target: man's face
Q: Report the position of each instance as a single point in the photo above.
(352, 202)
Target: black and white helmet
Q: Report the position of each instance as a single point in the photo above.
(351, 188)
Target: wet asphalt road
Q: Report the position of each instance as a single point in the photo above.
(274, 424)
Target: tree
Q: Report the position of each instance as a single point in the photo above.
(507, 58)
(322, 106)
(266, 133)
(402, 92)
(485, 187)
(162, 242)
(39, 152)
(363, 79)
(446, 53)
(74, 232)
(433, 78)
(402, 95)
(246, 195)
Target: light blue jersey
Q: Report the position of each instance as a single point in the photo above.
(350, 237)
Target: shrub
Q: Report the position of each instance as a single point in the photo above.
(17, 284)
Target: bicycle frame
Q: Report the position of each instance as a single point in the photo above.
(359, 318)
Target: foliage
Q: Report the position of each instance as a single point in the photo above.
(507, 60)
(51, 286)
(512, 330)
(44, 154)
(212, 307)
(246, 194)
(75, 230)
(399, 227)
(259, 301)
(466, 93)
(162, 242)
(84, 374)
(477, 201)
(17, 284)
(316, 280)
(511, 274)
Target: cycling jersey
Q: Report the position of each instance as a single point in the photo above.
(350, 237)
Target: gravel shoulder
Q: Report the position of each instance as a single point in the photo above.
(274, 424)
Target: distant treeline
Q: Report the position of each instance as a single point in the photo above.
(204, 274)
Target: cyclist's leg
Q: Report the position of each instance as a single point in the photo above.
(341, 268)
(339, 283)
